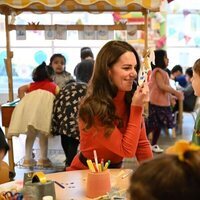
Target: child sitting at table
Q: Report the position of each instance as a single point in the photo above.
(32, 115)
(4, 168)
(169, 177)
(195, 84)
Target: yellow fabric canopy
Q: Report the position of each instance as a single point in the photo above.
(78, 5)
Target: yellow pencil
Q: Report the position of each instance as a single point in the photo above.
(99, 167)
(90, 165)
(106, 166)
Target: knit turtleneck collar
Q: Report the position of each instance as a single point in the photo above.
(120, 96)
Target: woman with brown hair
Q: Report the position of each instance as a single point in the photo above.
(110, 116)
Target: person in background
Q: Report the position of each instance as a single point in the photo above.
(32, 115)
(65, 110)
(189, 96)
(111, 114)
(85, 54)
(171, 176)
(195, 84)
(178, 76)
(62, 77)
(171, 81)
(4, 168)
(160, 113)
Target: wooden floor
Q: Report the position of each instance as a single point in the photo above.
(57, 156)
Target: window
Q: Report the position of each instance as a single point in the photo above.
(29, 53)
(183, 33)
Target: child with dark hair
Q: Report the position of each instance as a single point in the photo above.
(189, 96)
(169, 177)
(178, 76)
(65, 111)
(62, 77)
(84, 70)
(160, 91)
(32, 115)
(85, 54)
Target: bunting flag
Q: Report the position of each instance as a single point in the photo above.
(161, 42)
(187, 38)
(21, 33)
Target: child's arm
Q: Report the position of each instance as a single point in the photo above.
(22, 91)
(57, 90)
(172, 100)
(166, 87)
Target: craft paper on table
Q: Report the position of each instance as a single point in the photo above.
(61, 33)
(102, 33)
(89, 33)
(49, 32)
(131, 32)
(21, 33)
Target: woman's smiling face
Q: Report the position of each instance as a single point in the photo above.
(123, 72)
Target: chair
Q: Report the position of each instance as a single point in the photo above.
(193, 113)
(196, 110)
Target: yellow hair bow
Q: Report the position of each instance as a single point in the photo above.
(180, 147)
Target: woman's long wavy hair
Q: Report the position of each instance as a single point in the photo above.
(98, 103)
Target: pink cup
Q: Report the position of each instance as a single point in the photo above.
(98, 184)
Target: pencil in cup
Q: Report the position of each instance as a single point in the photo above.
(100, 166)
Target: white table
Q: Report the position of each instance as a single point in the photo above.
(75, 183)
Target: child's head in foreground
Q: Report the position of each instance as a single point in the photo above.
(171, 176)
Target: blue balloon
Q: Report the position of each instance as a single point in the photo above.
(40, 56)
(2, 57)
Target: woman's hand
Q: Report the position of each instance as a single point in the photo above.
(141, 95)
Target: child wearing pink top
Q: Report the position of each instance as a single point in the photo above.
(160, 91)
